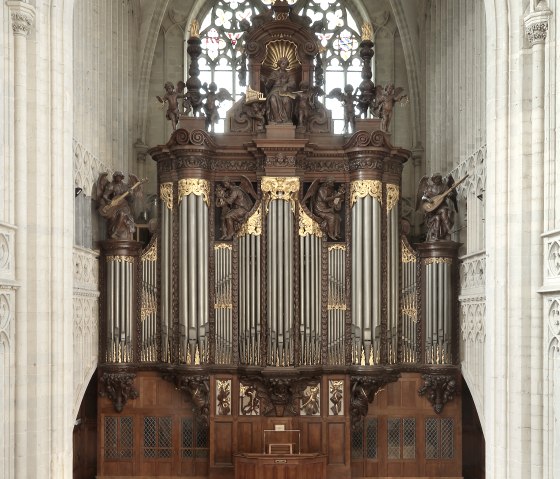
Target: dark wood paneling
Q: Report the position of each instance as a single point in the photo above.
(336, 443)
(223, 451)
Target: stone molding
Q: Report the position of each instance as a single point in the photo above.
(87, 167)
(7, 252)
(473, 320)
(474, 166)
(473, 273)
(552, 314)
(23, 15)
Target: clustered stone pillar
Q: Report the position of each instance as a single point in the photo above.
(22, 16)
(536, 28)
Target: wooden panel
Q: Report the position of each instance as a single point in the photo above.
(314, 435)
(336, 442)
(223, 452)
(245, 437)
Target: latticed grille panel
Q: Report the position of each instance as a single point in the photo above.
(432, 438)
(371, 439)
(447, 438)
(394, 438)
(409, 438)
(187, 438)
(157, 437)
(118, 435)
(440, 438)
(195, 439)
(357, 441)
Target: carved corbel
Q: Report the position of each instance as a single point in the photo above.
(198, 391)
(363, 390)
(118, 388)
(438, 389)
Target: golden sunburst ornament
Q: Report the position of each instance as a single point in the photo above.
(277, 49)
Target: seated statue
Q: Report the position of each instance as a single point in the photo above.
(280, 98)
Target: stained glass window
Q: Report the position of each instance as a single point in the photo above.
(222, 53)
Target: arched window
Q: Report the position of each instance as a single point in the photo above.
(222, 53)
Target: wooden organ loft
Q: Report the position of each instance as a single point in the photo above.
(279, 324)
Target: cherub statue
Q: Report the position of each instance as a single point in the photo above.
(236, 203)
(326, 203)
(347, 99)
(307, 104)
(115, 200)
(171, 97)
(434, 196)
(213, 96)
(384, 102)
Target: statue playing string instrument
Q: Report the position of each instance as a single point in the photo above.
(437, 198)
(115, 199)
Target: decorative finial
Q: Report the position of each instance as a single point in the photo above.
(195, 28)
(367, 33)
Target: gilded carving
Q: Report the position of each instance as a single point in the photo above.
(393, 195)
(253, 226)
(223, 246)
(223, 397)
(249, 404)
(407, 253)
(307, 226)
(151, 253)
(363, 188)
(196, 187)
(336, 397)
(367, 32)
(166, 194)
(334, 247)
(311, 400)
(280, 188)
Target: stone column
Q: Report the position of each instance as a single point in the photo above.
(22, 16)
(536, 27)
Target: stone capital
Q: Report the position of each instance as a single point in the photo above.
(536, 26)
(22, 15)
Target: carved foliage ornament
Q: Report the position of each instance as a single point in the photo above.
(21, 22)
(151, 253)
(280, 188)
(120, 259)
(198, 390)
(307, 226)
(393, 195)
(119, 388)
(363, 188)
(166, 194)
(253, 226)
(438, 389)
(196, 187)
(536, 31)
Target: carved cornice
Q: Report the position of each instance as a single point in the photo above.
(363, 390)
(118, 388)
(23, 15)
(194, 137)
(364, 139)
(194, 186)
(197, 389)
(281, 159)
(536, 26)
(438, 389)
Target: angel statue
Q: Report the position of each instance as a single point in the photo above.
(326, 203)
(437, 198)
(213, 96)
(115, 199)
(171, 97)
(307, 106)
(347, 99)
(384, 103)
(236, 203)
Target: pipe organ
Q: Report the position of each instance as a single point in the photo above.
(279, 293)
